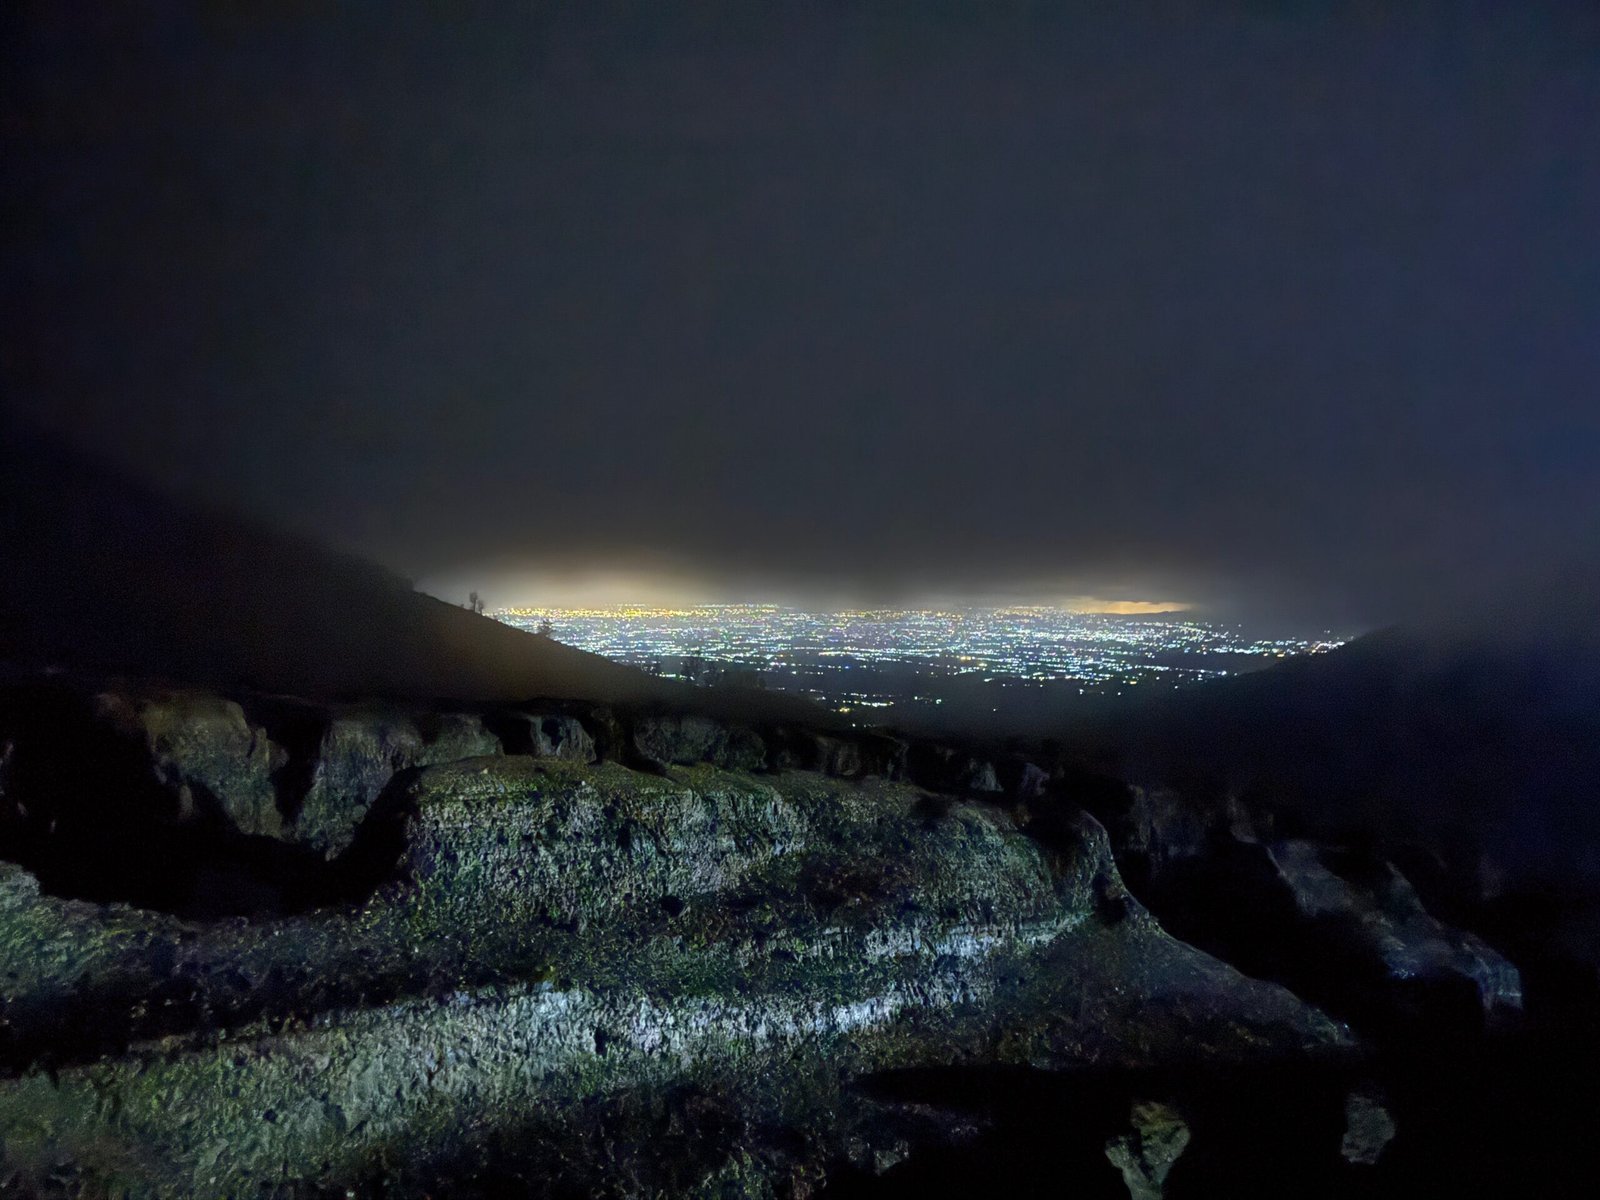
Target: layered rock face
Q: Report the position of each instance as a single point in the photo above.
(1341, 924)
(568, 975)
(98, 765)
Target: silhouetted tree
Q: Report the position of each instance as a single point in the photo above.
(475, 603)
(545, 628)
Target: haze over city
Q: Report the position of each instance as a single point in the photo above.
(1283, 313)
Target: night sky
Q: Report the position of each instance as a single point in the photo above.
(1281, 314)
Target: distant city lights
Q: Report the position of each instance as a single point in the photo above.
(906, 656)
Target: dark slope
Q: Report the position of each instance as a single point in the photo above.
(100, 574)
(1482, 739)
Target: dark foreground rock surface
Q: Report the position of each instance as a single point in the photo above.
(588, 977)
(1340, 924)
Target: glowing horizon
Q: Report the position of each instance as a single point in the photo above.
(1124, 608)
(669, 586)
(1081, 605)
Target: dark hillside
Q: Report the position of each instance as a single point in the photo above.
(102, 574)
(1478, 740)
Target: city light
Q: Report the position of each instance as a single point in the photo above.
(880, 658)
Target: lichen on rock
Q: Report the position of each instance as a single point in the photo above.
(556, 949)
(1146, 1153)
(362, 750)
(204, 750)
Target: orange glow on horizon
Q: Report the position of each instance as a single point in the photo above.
(1124, 608)
(668, 589)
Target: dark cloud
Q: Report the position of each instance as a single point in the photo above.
(1194, 300)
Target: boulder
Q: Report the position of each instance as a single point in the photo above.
(845, 755)
(546, 735)
(1145, 1154)
(1377, 918)
(745, 751)
(1163, 825)
(365, 747)
(839, 756)
(203, 750)
(948, 769)
(979, 776)
(660, 740)
(882, 755)
(562, 737)
(1347, 927)
(1368, 1127)
(1031, 782)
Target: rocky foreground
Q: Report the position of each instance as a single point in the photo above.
(255, 946)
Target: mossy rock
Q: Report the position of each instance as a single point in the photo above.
(521, 989)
